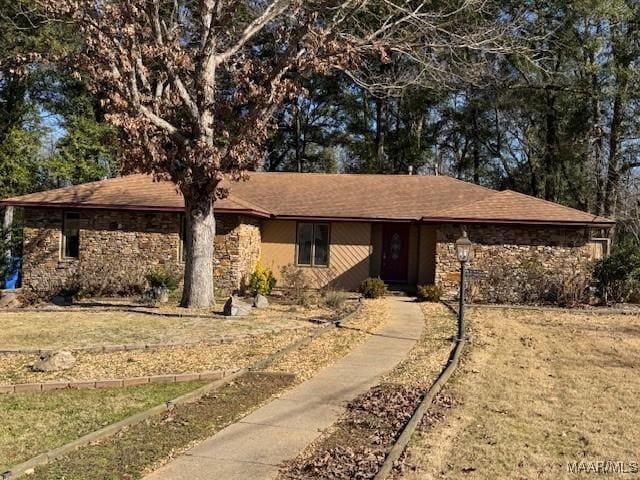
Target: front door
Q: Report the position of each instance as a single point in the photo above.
(395, 252)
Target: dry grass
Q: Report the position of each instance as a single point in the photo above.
(35, 423)
(134, 451)
(356, 445)
(14, 368)
(73, 329)
(538, 390)
(333, 345)
(429, 356)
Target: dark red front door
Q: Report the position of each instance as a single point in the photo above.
(395, 252)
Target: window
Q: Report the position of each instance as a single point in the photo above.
(313, 244)
(71, 235)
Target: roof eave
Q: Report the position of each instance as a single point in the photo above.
(140, 208)
(598, 223)
(333, 218)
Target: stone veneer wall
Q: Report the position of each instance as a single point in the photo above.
(507, 253)
(119, 248)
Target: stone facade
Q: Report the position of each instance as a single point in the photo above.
(518, 260)
(119, 248)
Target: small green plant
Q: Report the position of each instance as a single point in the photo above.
(162, 279)
(262, 280)
(373, 288)
(429, 293)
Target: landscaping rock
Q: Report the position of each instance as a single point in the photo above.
(54, 361)
(9, 300)
(234, 307)
(260, 301)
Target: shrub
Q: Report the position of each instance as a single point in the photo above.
(568, 290)
(617, 276)
(429, 293)
(296, 285)
(373, 288)
(334, 298)
(162, 279)
(531, 283)
(262, 280)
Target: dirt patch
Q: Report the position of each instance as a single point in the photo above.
(137, 450)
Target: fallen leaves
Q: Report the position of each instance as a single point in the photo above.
(358, 446)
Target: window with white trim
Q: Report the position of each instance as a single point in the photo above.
(312, 246)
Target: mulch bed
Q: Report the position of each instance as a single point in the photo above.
(360, 441)
(136, 450)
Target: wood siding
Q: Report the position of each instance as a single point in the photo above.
(349, 253)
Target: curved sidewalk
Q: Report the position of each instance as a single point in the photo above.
(254, 447)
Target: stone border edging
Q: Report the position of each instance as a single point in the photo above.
(126, 347)
(9, 389)
(80, 308)
(109, 430)
(408, 430)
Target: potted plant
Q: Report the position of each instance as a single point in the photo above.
(161, 283)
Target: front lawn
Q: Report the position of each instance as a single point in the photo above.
(14, 368)
(82, 328)
(537, 391)
(37, 422)
(140, 449)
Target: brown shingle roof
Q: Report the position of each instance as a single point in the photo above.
(509, 205)
(327, 196)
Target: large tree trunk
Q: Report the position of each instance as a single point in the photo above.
(200, 229)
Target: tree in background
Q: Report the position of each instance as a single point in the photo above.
(51, 129)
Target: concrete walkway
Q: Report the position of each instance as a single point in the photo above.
(254, 447)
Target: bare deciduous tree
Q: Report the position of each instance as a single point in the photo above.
(193, 84)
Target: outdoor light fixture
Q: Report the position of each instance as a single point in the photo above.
(464, 250)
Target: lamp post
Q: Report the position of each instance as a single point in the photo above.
(464, 250)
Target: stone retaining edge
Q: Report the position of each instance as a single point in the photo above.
(407, 432)
(44, 458)
(109, 430)
(8, 389)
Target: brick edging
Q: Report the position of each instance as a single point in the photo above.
(114, 382)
